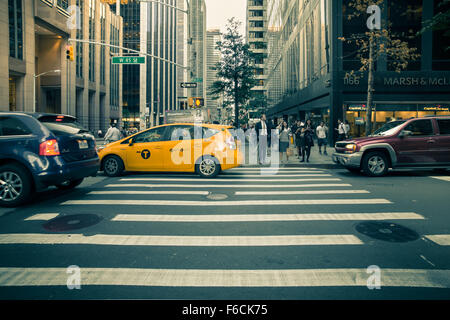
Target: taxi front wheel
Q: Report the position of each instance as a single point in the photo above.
(113, 166)
(207, 167)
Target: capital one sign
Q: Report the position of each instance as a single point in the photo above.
(374, 20)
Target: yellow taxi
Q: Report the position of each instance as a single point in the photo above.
(205, 149)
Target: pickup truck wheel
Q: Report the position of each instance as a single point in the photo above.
(375, 164)
(15, 185)
(113, 166)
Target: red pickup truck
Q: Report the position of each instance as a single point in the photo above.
(413, 143)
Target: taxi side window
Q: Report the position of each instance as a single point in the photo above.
(153, 135)
(420, 128)
(209, 132)
(177, 133)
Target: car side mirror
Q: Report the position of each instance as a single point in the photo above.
(130, 142)
(404, 133)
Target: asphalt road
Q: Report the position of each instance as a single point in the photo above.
(302, 233)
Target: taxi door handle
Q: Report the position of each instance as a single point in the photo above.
(171, 150)
(158, 148)
(431, 141)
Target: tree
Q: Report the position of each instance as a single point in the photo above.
(235, 70)
(379, 41)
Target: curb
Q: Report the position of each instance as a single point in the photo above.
(293, 165)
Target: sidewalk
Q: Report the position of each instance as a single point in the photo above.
(315, 160)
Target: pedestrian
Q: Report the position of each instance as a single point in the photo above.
(284, 134)
(113, 134)
(347, 129)
(298, 138)
(99, 133)
(321, 132)
(341, 131)
(306, 142)
(263, 128)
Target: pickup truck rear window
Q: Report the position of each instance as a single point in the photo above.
(61, 125)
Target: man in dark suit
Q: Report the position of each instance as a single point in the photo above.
(263, 130)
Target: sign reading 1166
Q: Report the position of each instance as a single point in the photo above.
(128, 60)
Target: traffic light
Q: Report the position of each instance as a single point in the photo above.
(69, 52)
(199, 102)
(196, 102)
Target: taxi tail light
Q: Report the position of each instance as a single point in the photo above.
(230, 143)
(49, 148)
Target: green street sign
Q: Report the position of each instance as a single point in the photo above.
(197, 80)
(128, 60)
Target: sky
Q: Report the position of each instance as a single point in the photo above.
(219, 11)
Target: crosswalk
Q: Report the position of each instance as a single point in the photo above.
(297, 211)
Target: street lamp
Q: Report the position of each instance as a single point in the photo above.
(34, 85)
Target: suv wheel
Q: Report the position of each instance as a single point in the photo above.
(113, 166)
(207, 167)
(70, 184)
(15, 185)
(375, 164)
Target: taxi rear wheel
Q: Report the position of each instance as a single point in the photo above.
(113, 166)
(207, 167)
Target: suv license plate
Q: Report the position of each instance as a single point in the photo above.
(83, 144)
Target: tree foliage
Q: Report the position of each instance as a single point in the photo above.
(235, 70)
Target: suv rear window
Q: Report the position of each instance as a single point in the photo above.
(444, 126)
(62, 125)
(13, 127)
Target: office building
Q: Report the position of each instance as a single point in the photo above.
(37, 76)
(313, 64)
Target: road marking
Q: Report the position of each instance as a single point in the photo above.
(267, 217)
(428, 261)
(202, 193)
(198, 241)
(225, 203)
(343, 277)
(263, 193)
(42, 216)
(440, 239)
(234, 180)
(274, 175)
(128, 185)
(442, 178)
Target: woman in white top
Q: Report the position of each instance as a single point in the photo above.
(284, 134)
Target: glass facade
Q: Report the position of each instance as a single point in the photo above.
(92, 36)
(15, 15)
(79, 46)
(297, 45)
(103, 38)
(441, 40)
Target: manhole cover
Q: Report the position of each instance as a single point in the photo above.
(217, 196)
(72, 222)
(387, 231)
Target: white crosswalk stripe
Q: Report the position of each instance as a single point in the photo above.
(444, 178)
(308, 188)
(268, 217)
(344, 277)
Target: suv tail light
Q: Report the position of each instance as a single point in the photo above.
(49, 148)
(230, 143)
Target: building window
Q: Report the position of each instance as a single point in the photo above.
(441, 39)
(256, 13)
(92, 37)
(15, 14)
(102, 48)
(406, 18)
(79, 46)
